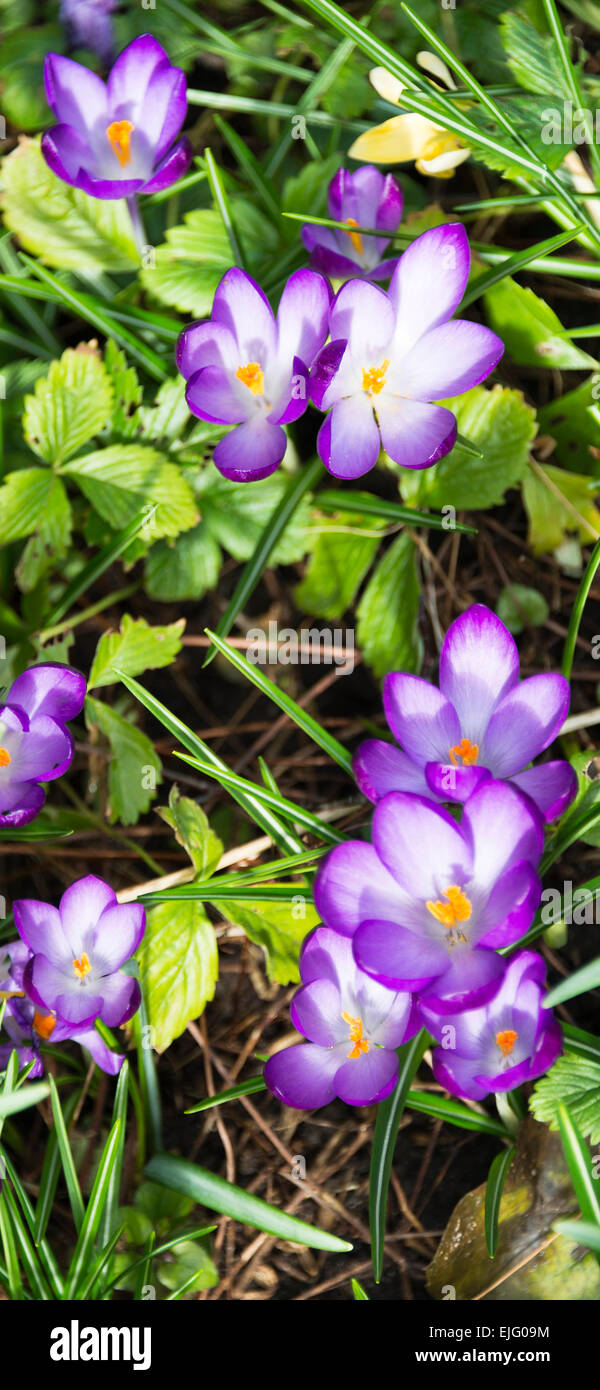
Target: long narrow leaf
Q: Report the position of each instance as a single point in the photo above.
(94, 1210)
(493, 1197)
(389, 1114)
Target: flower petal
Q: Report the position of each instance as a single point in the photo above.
(397, 957)
(326, 954)
(551, 785)
(352, 886)
(525, 722)
(206, 344)
(472, 977)
(51, 689)
(363, 313)
(241, 305)
(81, 907)
(121, 999)
(316, 1012)
(450, 359)
(369, 1078)
(420, 717)
(44, 753)
(414, 434)
(214, 394)
(39, 926)
(173, 167)
(479, 663)
(303, 1076)
(253, 450)
(163, 108)
(379, 767)
(20, 803)
(74, 93)
(350, 444)
(510, 908)
(503, 828)
(133, 71)
(104, 1057)
(451, 783)
(302, 318)
(119, 931)
(396, 141)
(325, 368)
(429, 282)
(402, 825)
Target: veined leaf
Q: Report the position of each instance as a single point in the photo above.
(193, 831)
(502, 426)
(24, 497)
(136, 647)
(576, 1081)
(69, 406)
(278, 927)
(178, 962)
(388, 633)
(134, 768)
(120, 480)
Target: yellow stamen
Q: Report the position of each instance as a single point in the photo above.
(506, 1041)
(12, 994)
(373, 378)
(4, 757)
(466, 751)
(119, 135)
(253, 377)
(44, 1024)
(457, 909)
(82, 967)
(356, 1036)
(355, 237)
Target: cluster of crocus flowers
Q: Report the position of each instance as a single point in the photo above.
(426, 906)
(436, 152)
(364, 200)
(119, 138)
(35, 744)
(66, 972)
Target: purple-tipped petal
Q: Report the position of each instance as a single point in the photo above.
(526, 721)
(457, 1075)
(214, 394)
(302, 318)
(352, 886)
(380, 768)
(163, 108)
(53, 690)
(401, 822)
(420, 717)
(104, 1057)
(253, 450)
(45, 752)
(450, 359)
(326, 954)
(133, 71)
(396, 957)
(503, 827)
(241, 305)
(364, 312)
(121, 997)
(206, 344)
(451, 783)
(20, 803)
(324, 370)
(75, 94)
(350, 446)
(510, 908)
(415, 435)
(316, 1012)
(173, 167)
(303, 1076)
(369, 1078)
(552, 786)
(479, 663)
(39, 926)
(472, 977)
(81, 906)
(430, 281)
(66, 153)
(119, 931)
(49, 986)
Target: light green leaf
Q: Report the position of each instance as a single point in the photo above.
(530, 329)
(196, 254)
(188, 1257)
(50, 542)
(338, 564)
(121, 480)
(575, 1081)
(502, 427)
(179, 966)
(235, 515)
(22, 56)
(193, 831)
(388, 633)
(58, 223)
(280, 928)
(23, 499)
(569, 421)
(134, 769)
(519, 605)
(127, 391)
(164, 422)
(532, 56)
(136, 647)
(184, 568)
(551, 519)
(69, 406)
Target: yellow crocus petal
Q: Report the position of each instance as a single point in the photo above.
(435, 67)
(442, 166)
(396, 141)
(387, 87)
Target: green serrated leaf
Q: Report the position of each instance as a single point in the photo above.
(126, 388)
(235, 514)
(134, 769)
(121, 480)
(184, 568)
(280, 928)
(58, 223)
(338, 564)
(530, 329)
(569, 421)
(179, 965)
(387, 632)
(136, 647)
(23, 500)
(502, 426)
(189, 265)
(50, 543)
(551, 519)
(575, 1081)
(69, 406)
(193, 831)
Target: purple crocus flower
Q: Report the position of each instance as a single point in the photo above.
(89, 24)
(367, 198)
(115, 140)
(77, 951)
(392, 354)
(428, 903)
(247, 368)
(497, 1047)
(35, 745)
(353, 1025)
(481, 723)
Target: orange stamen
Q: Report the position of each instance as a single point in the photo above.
(4, 757)
(466, 751)
(82, 967)
(253, 377)
(506, 1041)
(355, 237)
(44, 1024)
(356, 1036)
(373, 378)
(457, 909)
(119, 135)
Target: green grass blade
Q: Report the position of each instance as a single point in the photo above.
(366, 504)
(86, 1288)
(517, 262)
(309, 726)
(50, 1174)
(389, 1114)
(15, 1101)
(288, 809)
(588, 977)
(26, 1251)
(358, 1292)
(244, 1088)
(7, 1237)
(254, 173)
(150, 1091)
(217, 188)
(94, 1210)
(493, 1197)
(109, 1219)
(196, 1234)
(580, 1042)
(584, 1232)
(455, 1113)
(580, 1167)
(97, 566)
(218, 1195)
(267, 541)
(577, 611)
(67, 1161)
